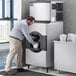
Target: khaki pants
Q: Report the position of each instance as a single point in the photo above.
(15, 48)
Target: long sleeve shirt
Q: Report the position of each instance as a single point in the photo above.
(21, 30)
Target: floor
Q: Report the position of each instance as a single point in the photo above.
(34, 68)
(3, 56)
(41, 70)
(27, 73)
(50, 71)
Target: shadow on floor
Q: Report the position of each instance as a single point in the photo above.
(27, 73)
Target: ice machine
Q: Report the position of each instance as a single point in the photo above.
(43, 34)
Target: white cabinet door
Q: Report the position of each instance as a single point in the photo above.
(65, 56)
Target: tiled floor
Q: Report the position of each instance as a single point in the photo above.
(51, 71)
(3, 56)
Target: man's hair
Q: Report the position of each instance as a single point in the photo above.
(31, 18)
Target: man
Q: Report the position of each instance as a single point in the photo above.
(20, 30)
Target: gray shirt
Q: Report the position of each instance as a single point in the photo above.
(21, 30)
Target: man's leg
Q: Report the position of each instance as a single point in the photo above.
(19, 57)
(19, 60)
(11, 55)
(14, 46)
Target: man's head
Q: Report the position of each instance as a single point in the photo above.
(30, 20)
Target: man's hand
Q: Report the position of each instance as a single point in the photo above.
(35, 45)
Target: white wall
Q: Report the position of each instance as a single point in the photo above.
(70, 16)
(25, 8)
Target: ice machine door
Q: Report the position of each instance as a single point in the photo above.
(40, 39)
(41, 11)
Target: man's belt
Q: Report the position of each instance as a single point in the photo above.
(15, 38)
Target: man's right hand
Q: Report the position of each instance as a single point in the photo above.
(35, 45)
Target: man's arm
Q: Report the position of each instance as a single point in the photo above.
(27, 35)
